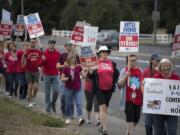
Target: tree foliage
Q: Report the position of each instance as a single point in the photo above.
(107, 14)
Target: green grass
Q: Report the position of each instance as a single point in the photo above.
(8, 107)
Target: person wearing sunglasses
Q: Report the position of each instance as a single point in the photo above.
(104, 80)
(165, 72)
(130, 93)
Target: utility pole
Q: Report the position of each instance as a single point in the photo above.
(22, 7)
(155, 17)
(22, 13)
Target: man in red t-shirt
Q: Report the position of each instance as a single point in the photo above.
(51, 75)
(32, 59)
(130, 80)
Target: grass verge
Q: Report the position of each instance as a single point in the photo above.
(9, 108)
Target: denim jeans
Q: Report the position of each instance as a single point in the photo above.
(149, 123)
(62, 100)
(13, 83)
(23, 86)
(159, 124)
(51, 82)
(70, 96)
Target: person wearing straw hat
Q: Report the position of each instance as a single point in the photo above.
(32, 60)
(104, 82)
(130, 93)
(165, 72)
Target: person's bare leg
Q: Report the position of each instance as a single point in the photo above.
(30, 87)
(130, 128)
(103, 116)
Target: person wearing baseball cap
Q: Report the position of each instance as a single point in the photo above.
(149, 72)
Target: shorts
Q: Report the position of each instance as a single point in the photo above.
(2, 70)
(32, 77)
(104, 97)
(132, 112)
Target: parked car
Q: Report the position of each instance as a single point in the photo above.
(111, 41)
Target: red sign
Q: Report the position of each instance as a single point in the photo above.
(128, 41)
(35, 28)
(89, 61)
(177, 38)
(19, 29)
(6, 30)
(78, 33)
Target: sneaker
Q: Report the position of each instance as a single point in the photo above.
(100, 129)
(68, 121)
(31, 105)
(97, 123)
(81, 121)
(89, 121)
(104, 132)
(53, 108)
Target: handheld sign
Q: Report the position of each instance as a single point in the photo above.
(161, 96)
(129, 36)
(78, 33)
(20, 26)
(86, 51)
(6, 15)
(176, 44)
(6, 29)
(34, 25)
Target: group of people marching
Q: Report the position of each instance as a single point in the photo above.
(63, 72)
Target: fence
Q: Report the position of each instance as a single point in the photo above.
(61, 33)
(161, 38)
(144, 38)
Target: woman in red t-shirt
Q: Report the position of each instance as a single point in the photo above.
(104, 80)
(11, 61)
(165, 72)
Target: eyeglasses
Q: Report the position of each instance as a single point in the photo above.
(52, 42)
(104, 51)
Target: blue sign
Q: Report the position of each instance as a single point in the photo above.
(32, 19)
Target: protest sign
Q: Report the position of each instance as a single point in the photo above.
(86, 51)
(87, 56)
(34, 25)
(129, 36)
(6, 29)
(161, 96)
(176, 44)
(6, 15)
(20, 26)
(77, 36)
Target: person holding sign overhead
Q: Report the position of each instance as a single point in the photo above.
(165, 72)
(131, 94)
